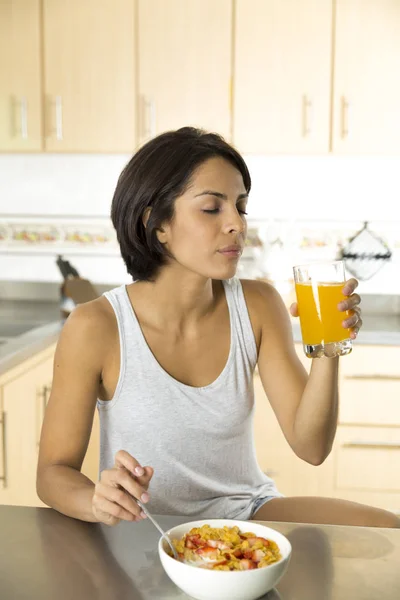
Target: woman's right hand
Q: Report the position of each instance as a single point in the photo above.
(114, 495)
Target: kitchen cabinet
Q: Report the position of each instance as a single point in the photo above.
(282, 76)
(24, 392)
(20, 76)
(185, 62)
(366, 98)
(367, 445)
(89, 75)
(364, 464)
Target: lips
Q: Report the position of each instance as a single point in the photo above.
(233, 250)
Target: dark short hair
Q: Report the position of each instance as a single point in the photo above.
(155, 176)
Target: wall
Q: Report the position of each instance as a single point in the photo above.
(288, 193)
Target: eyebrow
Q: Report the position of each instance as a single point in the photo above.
(219, 195)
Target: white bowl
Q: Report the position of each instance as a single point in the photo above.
(204, 584)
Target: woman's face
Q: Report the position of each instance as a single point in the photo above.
(207, 233)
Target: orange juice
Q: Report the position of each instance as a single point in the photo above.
(320, 318)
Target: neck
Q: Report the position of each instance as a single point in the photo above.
(178, 300)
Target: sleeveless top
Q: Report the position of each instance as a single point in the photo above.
(199, 440)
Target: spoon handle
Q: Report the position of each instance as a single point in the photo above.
(166, 538)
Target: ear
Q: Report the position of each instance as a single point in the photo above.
(161, 233)
(146, 216)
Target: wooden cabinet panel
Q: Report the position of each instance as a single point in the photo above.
(368, 458)
(282, 76)
(370, 386)
(373, 400)
(381, 362)
(184, 65)
(23, 404)
(20, 76)
(89, 86)
(366, 117)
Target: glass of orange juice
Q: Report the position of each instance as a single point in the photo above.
(319, 288)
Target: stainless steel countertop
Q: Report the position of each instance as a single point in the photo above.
(45, 555)
(26, 327)
(42, 325)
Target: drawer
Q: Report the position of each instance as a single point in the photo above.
(373, 362)
(368, 400)
(368, 458)
(386, 500)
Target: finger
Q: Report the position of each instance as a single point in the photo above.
(126, 460)
(294, 309)
(350, 303)
(122, 478)
(144, 481)
(109, 508)
(352, 319)
(349, 286)
(118, 496)
(355, 330)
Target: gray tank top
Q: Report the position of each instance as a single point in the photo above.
(199, 440)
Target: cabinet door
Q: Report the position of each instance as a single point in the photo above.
(184, 65)
(282, 76)
(23, 405)
(20, 76)
(89, 63)
(366, 117)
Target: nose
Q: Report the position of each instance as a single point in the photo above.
(234, 223)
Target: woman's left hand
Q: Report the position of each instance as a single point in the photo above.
(351, 303)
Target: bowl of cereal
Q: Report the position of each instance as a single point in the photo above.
(224, 559)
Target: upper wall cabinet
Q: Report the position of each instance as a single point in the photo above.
(89, 82)
(184, 65)
(282, 76)
(366, 108)
(20, 81)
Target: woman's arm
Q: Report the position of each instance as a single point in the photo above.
(305, 406)
(78, 363)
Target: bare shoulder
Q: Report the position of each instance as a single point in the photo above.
(267, 311)
(262, 299)
(89, 329)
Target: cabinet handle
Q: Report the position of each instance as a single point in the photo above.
(149, 129)
(56, 130)
(370, 377)
(43, 396)
(345, 118)
(307, 116)
(372, 445)
(3, 477)
(23, 105)
(59, 118)
(19, 114)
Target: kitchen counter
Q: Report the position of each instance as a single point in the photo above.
(45, 555)
(28, 327)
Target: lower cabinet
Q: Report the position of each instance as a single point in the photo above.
(24, 392)
(364, 465)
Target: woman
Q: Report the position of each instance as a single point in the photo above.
(169, 360)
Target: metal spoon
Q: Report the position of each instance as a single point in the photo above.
(160, 529)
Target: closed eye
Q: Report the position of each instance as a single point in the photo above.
(215, 211)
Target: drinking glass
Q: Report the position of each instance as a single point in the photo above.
(319, 288)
